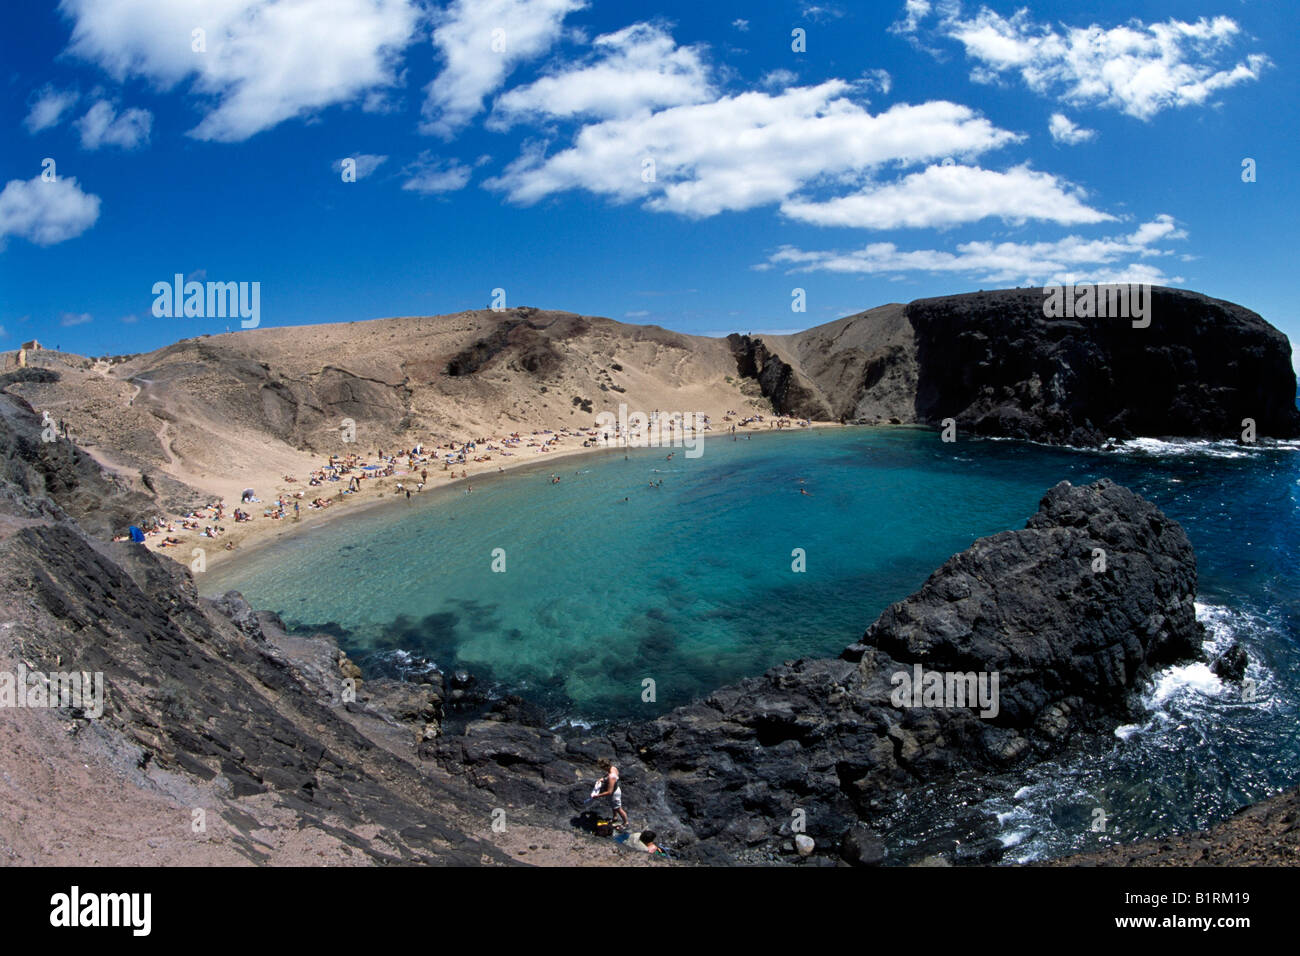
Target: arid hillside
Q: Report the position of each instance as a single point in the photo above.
(212, 410)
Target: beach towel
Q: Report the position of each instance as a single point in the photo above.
(137, 535)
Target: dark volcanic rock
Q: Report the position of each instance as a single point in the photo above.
(204, 700)
(58, 480)
(823, 741)
(1029, 605)
(1231, 664)
(997, 365)
(993, 362)
(860, 847)
(241, 614)
(789, 392)
(528, 344)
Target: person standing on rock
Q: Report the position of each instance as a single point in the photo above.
(609, 788)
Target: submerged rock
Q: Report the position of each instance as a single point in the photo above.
(1231, 664)
(860, 847)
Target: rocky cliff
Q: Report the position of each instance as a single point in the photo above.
(994, 363)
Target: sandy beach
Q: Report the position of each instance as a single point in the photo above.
(240, 538)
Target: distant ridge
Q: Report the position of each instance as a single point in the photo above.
(990, 361)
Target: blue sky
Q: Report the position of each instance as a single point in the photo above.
(910, 148)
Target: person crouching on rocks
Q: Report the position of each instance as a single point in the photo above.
(645, 840)
(610, 788)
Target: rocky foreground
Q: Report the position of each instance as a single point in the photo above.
(211, 707)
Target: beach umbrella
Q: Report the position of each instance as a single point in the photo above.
(246, 494)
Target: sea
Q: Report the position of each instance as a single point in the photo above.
(638, 582)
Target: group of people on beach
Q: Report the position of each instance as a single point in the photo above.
(412, 465)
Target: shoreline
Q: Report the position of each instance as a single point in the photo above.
(252, 540)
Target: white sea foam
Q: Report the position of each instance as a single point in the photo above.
(1181, 447)
(1157, 447)
(576, 723)
(1015, 837)
(1197, 678)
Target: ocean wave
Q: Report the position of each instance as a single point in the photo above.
(1177, 692)
(1181, 447)
(1186, 707)
(1165, 447)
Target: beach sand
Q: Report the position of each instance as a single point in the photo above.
(246, 536)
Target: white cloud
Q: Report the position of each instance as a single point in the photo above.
(748, 150)
(741, 25)
(46, 212)
(69, 319)
(818, 13)
(266, 61)
(429, 175)
(366, 163)
(779, 79)
(103, 125)
(914, 11)
(1139, 68)
(1071, 259)
(636, 314)
(481, 42)
(635, 69)
(1064, 130)
(877, 79)
(949, 195)
(48, 108)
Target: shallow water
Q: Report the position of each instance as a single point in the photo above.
(690, 584)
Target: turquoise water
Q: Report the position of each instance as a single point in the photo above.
(690, 584)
